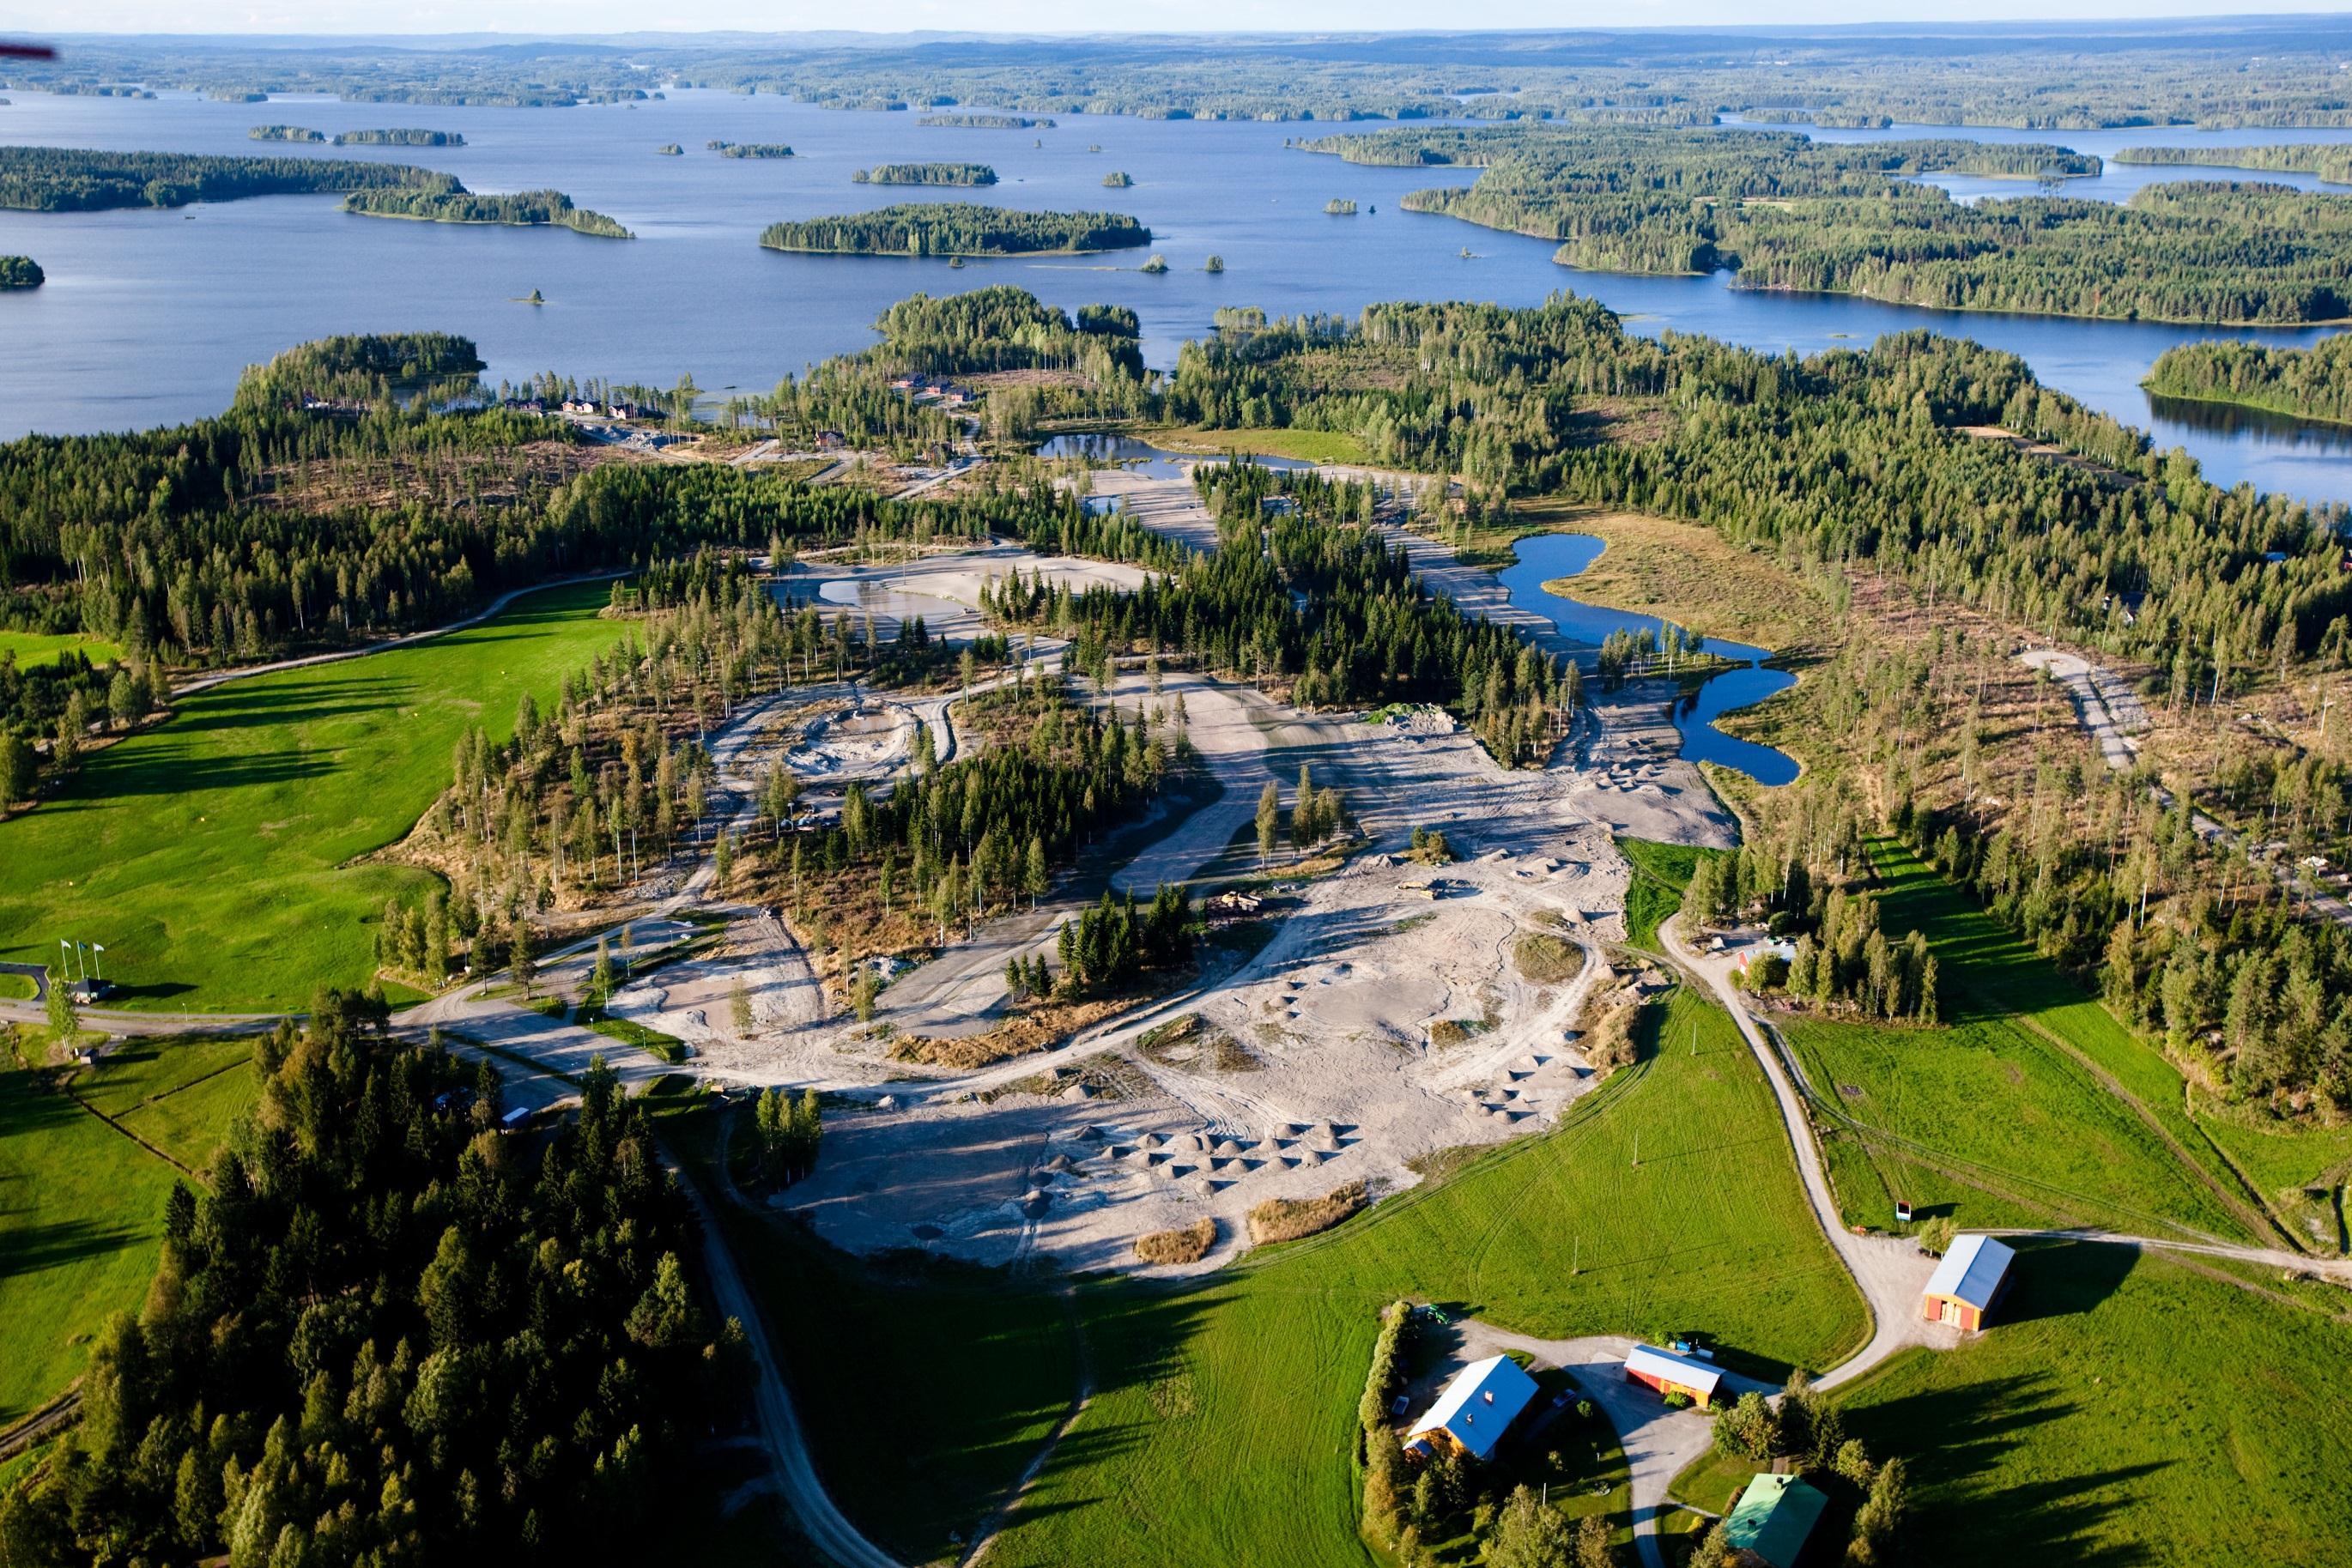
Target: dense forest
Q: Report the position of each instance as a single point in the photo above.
(71, 180)
(925, 174)
(2308, 383)
(750, 149)
(20, 272)
(2331, 160)
(285, 134)
(383, 1332)
(956, 228)
(1847, 456)
(1787, 212)
(520, 208)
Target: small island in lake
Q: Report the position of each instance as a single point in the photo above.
(21, 272)
(956, 228)
(750, 149)
(524, 209)
(1339, 207)
(925, 174)
(1119, 180)
(1214, 263)
(399, 138)
(670, 150)
(285, 133)
(986, 121)
(1158, 264)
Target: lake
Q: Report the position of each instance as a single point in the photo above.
(148, 317)
(1547, 558)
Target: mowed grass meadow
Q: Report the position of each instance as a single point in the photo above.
(1995, 1118)
(81, 1201)
(33, 649)
(210, 854)
(2123, 1409)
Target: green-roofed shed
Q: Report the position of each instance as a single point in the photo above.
(1773, 1518)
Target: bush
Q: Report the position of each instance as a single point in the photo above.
(1185, 1244)
(1287, 1219)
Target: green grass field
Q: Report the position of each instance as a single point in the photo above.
(34, 649)
(2121, 1410)
(1223, 1427)
(1304, 445)
(81, 1204)
(1990, 1118)
(1660, 873)
(210, 855)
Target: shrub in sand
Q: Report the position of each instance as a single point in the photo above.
(1545, 959)
(1186, 1244)
(1287, 1219)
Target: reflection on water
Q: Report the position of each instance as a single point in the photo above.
(2237, 419)
(1549, 556)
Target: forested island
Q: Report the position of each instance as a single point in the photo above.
(750, 149)
(528, 209)
(1117, 180)
(20, 272)
(2306, 383)
(956, 228)
(1787, 212)
(2330, 160)
(986, 121)
(399, 138)
(285, 134)
(925, 174)
(71, 180)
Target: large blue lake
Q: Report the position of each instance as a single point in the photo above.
(149, 315)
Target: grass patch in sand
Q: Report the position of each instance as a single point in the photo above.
(1544, 959)
(1661, 874)
(1185, 1244)
(1288, 1218)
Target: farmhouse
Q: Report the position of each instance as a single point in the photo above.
(1773, 1518)
(1477, 1409)
(1968, 1282)
(1671, 1373)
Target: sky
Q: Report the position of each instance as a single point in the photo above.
(34, 17)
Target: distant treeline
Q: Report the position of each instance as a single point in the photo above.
(925, 174)
(1788, 213)
(2331, 160)
(20, 272)
(529, 208)
(986, 121)
(750, 149)
(285, 133)
(71, 180)
(2308, 383)
(957, 228)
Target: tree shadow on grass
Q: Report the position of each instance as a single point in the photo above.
(31, 1248)
(1952, 1441)
(173, 768)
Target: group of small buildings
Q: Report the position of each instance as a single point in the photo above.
(932, 389)
(1776, 1514)
(588, 406)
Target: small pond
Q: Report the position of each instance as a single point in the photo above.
(1547, 558)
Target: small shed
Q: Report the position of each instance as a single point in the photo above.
(1477, 1409)
(1670, 1373)
(1966, 1284)
(1773, 1518)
